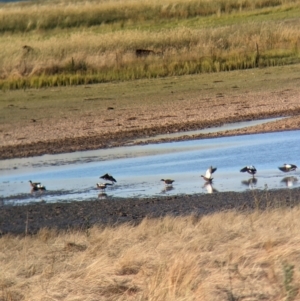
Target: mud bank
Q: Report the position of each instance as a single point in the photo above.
(114, 211)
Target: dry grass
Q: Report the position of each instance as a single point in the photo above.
(225, 256)
(66, 47)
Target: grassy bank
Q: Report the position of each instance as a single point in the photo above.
(90, 42)
(225, 256)
(89, 100)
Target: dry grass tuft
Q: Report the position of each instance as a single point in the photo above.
(225, 256)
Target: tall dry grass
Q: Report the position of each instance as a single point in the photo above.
(81, 56)
(47, 15)
(36, 55)
(224, 256)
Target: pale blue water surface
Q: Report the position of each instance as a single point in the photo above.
(139, 169)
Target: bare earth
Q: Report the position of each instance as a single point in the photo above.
(66, 119)
(105, 130)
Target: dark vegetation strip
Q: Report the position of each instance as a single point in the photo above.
(82, 215)
(82, 74)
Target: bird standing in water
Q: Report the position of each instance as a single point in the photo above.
(208, 174)
(168, 181)
(288, 167)
(249, 169)
(37, 186)
(103, 186)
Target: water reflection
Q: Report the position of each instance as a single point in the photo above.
(102, 196)
(209, 188)
(167, 188)
(289, 181)
(251, 183)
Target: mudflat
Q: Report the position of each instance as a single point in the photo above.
(66, 119)
(114, 211)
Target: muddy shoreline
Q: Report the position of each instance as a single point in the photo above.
(115, 211)
(101, 128)
(123, 138)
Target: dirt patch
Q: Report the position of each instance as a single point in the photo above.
(91, 129)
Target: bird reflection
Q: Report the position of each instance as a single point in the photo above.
(209, 188)
(102, 196)
(289, 181)
(166, 189)
(250, 182)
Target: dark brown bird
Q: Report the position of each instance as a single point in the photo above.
(108, 177)
(168, 181)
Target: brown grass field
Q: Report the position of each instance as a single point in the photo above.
(223, 256)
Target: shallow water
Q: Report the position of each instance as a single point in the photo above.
(217, 129)
(139, 169)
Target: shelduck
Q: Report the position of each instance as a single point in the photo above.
(249, 169)
(37, 186)
(208, 174)
(103, 185)
(108, 177)
(288, 167)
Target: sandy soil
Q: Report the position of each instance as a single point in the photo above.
(118, 127)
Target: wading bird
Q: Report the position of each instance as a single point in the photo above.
(108, 177)
(288, 167)
(37, 186)
(103, 185)
(249, 169)
(208, 174)
(168, 181)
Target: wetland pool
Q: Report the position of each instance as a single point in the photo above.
(139, 169)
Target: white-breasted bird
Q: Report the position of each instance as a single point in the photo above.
(37, 186)
(103, 186)
(208, 174)
(249, 169)
(288, 167)
(33, 185)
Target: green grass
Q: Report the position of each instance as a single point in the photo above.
(55, 102)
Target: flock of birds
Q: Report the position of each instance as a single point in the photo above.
(110, 180)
